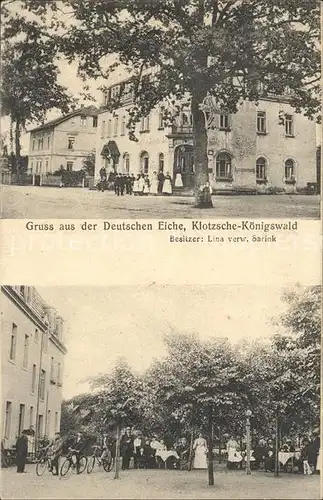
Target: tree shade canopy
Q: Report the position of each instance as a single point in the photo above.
(232, 50)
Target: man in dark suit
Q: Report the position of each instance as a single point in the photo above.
(161, 179)
(77, 448)
(126, 448)
(21, 451)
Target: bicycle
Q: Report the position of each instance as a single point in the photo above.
(69, 464)
(43, 464)
(106, 461)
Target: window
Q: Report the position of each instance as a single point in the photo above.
(40, 425)
(71, 143)
(69, 166)
(289, 170)
(83, 121)
(109, 132)
(115, 91)
(161, 123)
(126, 162)
(161, 162)
(223, 166)
(34, 145)
(56, 421)
(52, 369)
(289, 128)
(224, 122)
(144, 124)
(31, 416)
(46, 166)
(144, 162)
(32, 166)
(21, 419)
(261, 169)
(95, 122)
(103, 129)
(123, 125)
(45, 341)
(48, 423)
(33, 379)
(261, 122)
(26, 348)
(116, 125)
(48, 142)
(7, 423)
(13, 342)
(59, 374)
(36, 335)
(42, 382)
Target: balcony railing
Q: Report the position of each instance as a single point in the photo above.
(182, 130)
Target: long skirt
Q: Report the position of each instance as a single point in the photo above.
(178, 180)
(167, 187)
(154, 187)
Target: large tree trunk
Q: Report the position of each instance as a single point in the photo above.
(18, 146)
(117, 459)
(190, 459)
(210, 447)
(277, 446)
(11, 137)
(202, 193)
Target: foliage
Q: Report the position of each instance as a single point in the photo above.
(261, 46)
(174, 395)
(89, 164)
(70, 178)
(29, 84)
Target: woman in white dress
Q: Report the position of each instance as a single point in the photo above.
(167, 186)
(154, 184)
(200, 453)
(136, 187)
(141, 185)
(234, 456)
(178, 180)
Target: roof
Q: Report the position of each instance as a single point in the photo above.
(86, 111)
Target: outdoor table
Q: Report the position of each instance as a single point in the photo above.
(164, 455)
(284, 456)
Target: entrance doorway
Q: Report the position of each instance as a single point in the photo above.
(184, 163)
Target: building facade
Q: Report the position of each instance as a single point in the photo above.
(32, 364)
(261, 147)
(62, 143)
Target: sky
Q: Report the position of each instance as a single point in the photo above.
(103, 323)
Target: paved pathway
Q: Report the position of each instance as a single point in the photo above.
(143, 484)
(31, 202)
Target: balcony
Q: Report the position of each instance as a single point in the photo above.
(181, 131)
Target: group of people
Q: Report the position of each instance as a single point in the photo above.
(263, 453)
(140, 185)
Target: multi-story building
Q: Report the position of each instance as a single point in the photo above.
(32, 364)
(262, 146)
(62, 143)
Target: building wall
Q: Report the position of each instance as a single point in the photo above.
(153, 142)
(17, 379)
(58, 154)
(241, 142)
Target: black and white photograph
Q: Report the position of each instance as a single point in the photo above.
(161, 392)
(160, 108)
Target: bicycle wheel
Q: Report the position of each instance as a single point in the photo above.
(41, 466)
(90, 465)
(82, 464)
(107, 464)
(65, 467)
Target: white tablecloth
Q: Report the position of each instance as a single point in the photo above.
(166, 454)
(284, 456)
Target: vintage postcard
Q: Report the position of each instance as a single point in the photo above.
(161, 249)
